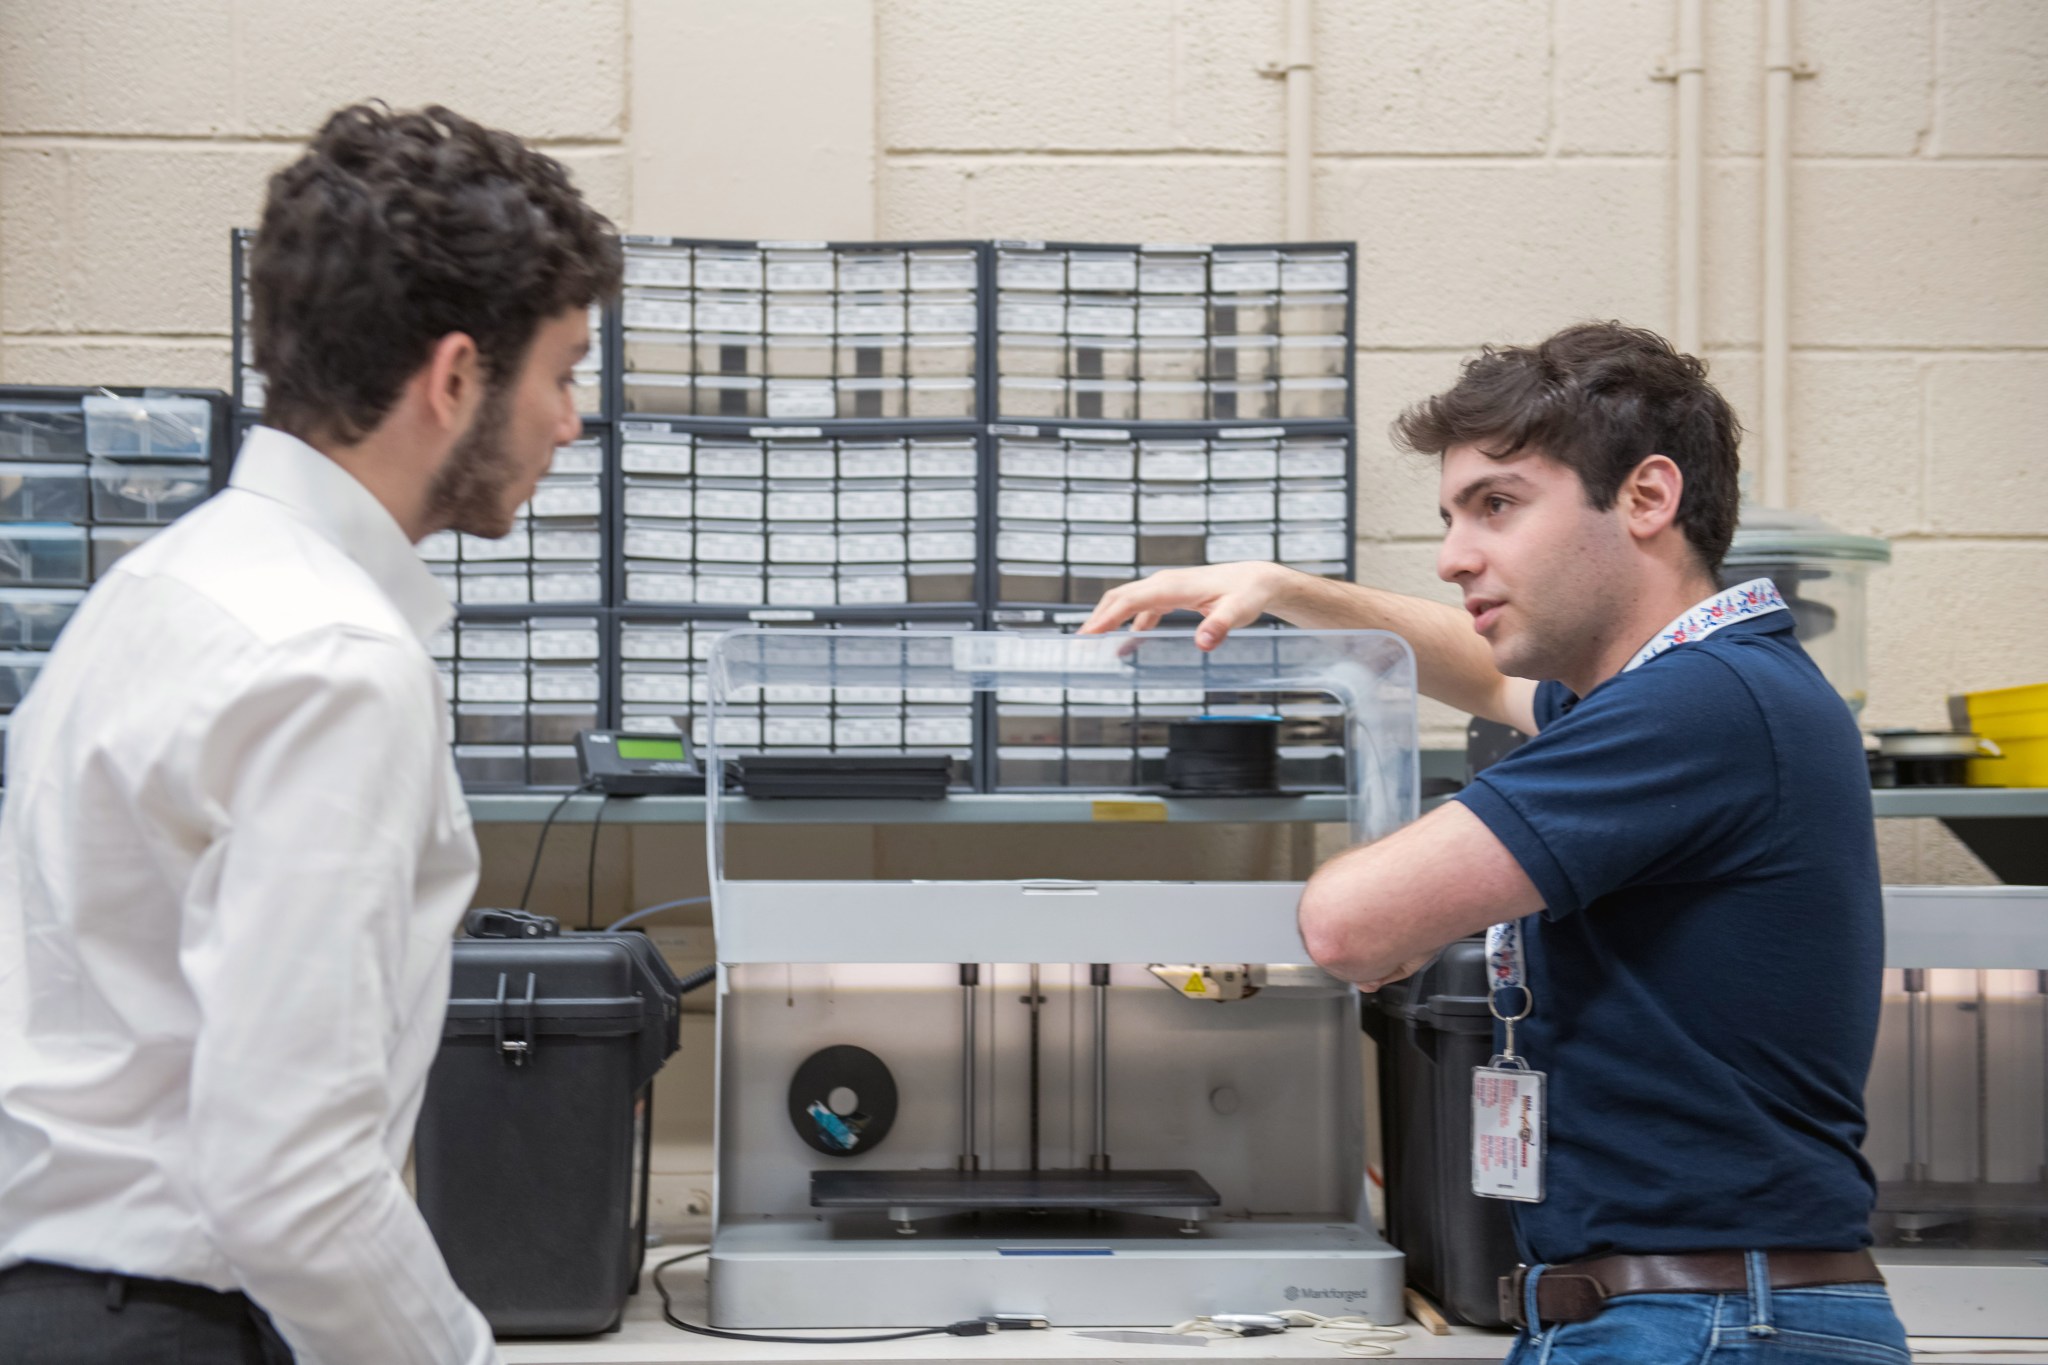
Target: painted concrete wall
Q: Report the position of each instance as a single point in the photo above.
(1503, 165)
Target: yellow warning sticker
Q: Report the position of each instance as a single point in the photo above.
(1196, 986)
(1129, 812)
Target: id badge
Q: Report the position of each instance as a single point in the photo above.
(1507, 1133)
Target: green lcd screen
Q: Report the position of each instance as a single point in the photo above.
(651, 748)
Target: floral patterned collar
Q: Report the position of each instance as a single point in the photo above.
(1757, 597)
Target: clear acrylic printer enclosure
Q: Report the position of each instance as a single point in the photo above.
(1371, 673)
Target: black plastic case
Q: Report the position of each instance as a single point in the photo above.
(532, 1152)
(1432, 1029)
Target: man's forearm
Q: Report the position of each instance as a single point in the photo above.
(1452, 663)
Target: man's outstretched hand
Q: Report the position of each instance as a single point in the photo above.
(1227, 596)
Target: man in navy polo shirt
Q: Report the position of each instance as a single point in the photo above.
(1679, 871)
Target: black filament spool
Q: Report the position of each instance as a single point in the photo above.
(856, 1069)
(1224, 755)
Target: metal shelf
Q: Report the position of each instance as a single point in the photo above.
(1006, 808)
(1080, 808)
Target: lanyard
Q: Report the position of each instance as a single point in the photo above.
(1744, 601)
(1508, 996)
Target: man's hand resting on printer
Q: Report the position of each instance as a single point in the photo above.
(1227, 595)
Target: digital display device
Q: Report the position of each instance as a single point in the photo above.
(620, 764)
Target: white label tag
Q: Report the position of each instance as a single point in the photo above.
(1037, 654)
(864, 317)
(646, 265)
(728, 315)
(740, 271)
(785, 276)
(1507, 1133)
(728, 504)
(801, 319)
(783, 506)
(930, 270)
(656, 313)
(646, 457)
(943, 318)
(658, 502)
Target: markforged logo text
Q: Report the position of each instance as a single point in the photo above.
(1295, 1291)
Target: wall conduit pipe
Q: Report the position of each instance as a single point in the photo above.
(1772, 488)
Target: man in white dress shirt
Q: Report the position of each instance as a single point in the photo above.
(233, 849)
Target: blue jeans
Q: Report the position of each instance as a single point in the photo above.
(1761, 1326)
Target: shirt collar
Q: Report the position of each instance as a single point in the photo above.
(275, 465)
(1744, 601)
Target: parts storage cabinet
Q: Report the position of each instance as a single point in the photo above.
(533, 1141)
(1432, 1029)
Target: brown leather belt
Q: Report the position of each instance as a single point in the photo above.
(1578, 1290)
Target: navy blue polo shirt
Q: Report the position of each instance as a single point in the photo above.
(1706, 969)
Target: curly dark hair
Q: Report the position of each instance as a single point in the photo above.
(394, 230)
(1597, 397)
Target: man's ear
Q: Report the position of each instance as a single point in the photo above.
(453, 382)
(1650, 494)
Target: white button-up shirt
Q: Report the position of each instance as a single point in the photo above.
(233, 851)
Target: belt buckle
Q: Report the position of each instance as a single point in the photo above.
(1509, 1288)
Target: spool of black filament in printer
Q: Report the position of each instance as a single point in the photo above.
(1224, 755)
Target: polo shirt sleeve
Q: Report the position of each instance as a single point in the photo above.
(1664, 775)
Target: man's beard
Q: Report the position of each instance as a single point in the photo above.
(469, 492)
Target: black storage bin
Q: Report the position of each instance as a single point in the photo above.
(532, 1152)
(1432, 1029)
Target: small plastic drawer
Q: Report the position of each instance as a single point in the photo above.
(1086, 583)
(659, 352)
(491, 765)
(1032, 397)
(149, 428)
(42, 492)
(556, 722)
(553, 765)
(38, 554)
(1312, 314)
(665, 393)
(1243, 401)
(1241, 314)
(1030, 355)
(31, 618)
(18, 672)
(800, 357)
(941, 357)
(490, 723)
(1173, 358)
(568, 581)
(1020, 766)
(1311, 357)
(1243, 357)
(951, 582)
(1113, 399)
(1312, 398)
(1103, 358)
(871, 398)
(941, 398)
(42, 431)
(725, 395)
(1105, 769)
(146, 494)
(494, 584)
(1172, 400)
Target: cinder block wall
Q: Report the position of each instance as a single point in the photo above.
(1504, 166)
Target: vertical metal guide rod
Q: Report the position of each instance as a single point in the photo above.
(970, 979)
(2041, 989)
(1915, 982)
(1034, 999)
(1098, 977)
